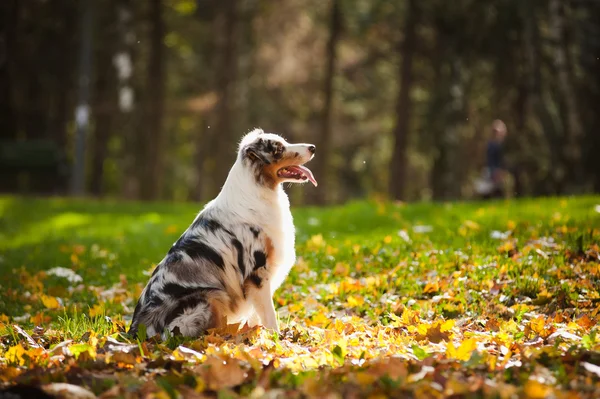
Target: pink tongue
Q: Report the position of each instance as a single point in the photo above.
(305, 171)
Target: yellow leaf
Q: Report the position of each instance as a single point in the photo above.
(511, 225)
(365, 379)
(387, 239)
(79, 349)
(15, 354)
(431, 287)
(447, 325)
(4, 318)
(354, 301)
(422, 328)
(319, 320)
(409, 316)
(537, 325)
(97, 310)
(507, 246)
(315, 242)
(464, 351)
(161, 395)
(35, 353)
(50, 302)
(535, 390)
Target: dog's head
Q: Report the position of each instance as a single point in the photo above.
(273, 160)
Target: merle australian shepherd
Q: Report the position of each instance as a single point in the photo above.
(236, 253)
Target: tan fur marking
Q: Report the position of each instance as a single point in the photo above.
(268, 173)
(269, 248)
(218, 302)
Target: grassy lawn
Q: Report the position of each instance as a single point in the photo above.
(497, 299)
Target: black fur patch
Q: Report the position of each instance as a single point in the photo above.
(177, 291)
(240, 251)
(208, 224)
(135, 320)
(158, 267)
(154, 301)
(148, 292)
(188, 302)
(173, 257)
(198, 250)
(260, 259)
(254, 153)
(255, 280)
(255, 231)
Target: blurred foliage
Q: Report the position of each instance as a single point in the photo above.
(233, 65)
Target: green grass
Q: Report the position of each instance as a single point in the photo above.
(383, 267)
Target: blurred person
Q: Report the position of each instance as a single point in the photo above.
(493, 182)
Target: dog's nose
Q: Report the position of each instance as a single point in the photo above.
(312, 149)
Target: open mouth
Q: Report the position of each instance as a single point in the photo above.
(297, 172)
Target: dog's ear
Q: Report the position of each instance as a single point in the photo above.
(251, 154)
(249, 138)
(255, 155)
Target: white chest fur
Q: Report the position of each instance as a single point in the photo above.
(242, 201)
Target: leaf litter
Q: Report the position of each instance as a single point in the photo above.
(392, 316)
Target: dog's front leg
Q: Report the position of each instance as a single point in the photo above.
(259, 296)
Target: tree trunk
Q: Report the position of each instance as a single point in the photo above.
(398, 165)
(63, 88)
(8, 31)
(151, 181)
(8, 113)
(589, 34)
(436, 120)
(123, 61)
(535, 108)
(103, 104)
(83, 108)
(572, 130)
(321, 163)
(222, 132)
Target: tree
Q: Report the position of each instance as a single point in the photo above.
(8, 112)
(567, 100)
(152, 168)
(82, 111)
(124, 61)
(104, 98)
(323, 143)
(222, 137)
(404, 102)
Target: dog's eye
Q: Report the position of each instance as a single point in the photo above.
(278, 149)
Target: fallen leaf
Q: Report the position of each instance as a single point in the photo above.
(50, 302)
(219, 373)
(463, 352)
(15, 354)
(536, 390)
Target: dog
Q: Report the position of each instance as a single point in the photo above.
(239, 249)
